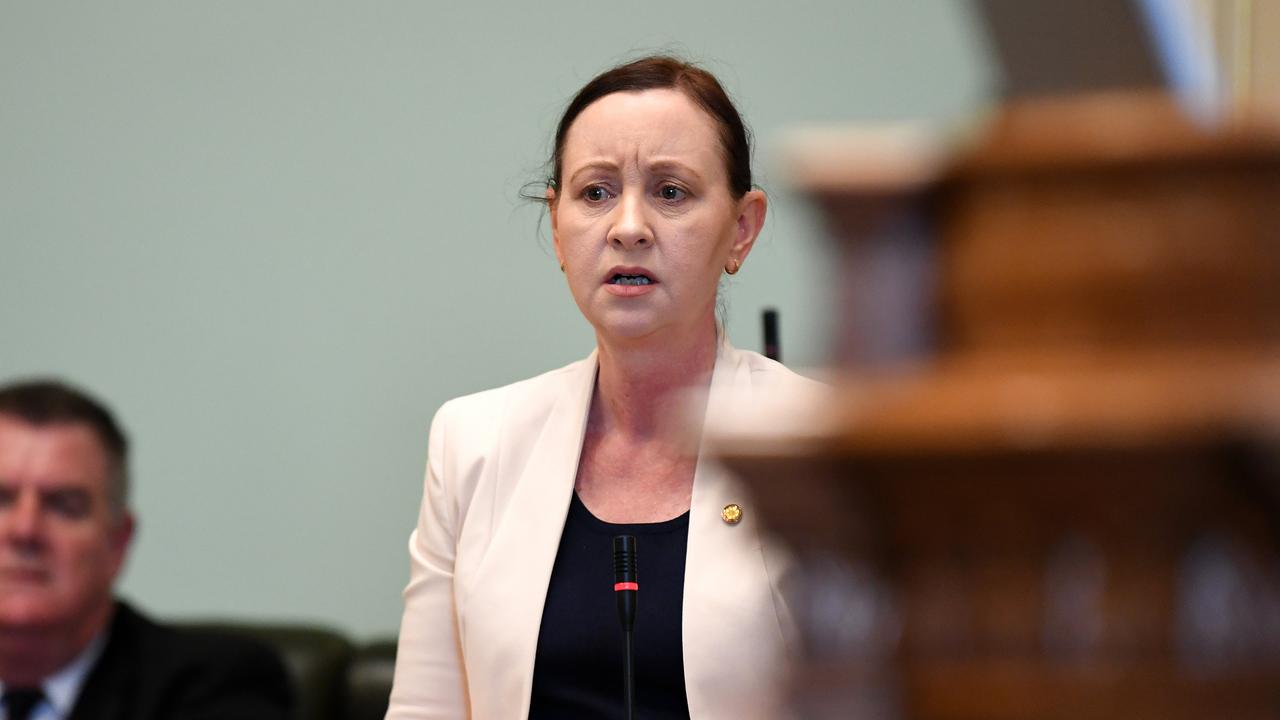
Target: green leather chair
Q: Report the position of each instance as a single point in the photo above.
(369, 680)
(318, 660)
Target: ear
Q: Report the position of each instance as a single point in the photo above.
(751, 212)
(121, 535)
(552, 208)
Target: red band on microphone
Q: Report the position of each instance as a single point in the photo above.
(626, 586)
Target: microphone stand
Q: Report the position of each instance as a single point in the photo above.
(629, 678)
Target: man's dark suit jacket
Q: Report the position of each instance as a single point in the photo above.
(151, 672)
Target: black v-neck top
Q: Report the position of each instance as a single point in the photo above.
(578, 669)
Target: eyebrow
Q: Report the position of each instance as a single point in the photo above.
(593, 165)
(662, 164)
(42, 490)
(659, 165)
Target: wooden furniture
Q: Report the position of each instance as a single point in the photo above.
(1052, 485)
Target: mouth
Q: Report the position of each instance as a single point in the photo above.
(629, 276)
(24, 575)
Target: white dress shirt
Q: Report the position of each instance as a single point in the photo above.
(63, 687)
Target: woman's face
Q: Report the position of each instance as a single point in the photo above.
(644, 222)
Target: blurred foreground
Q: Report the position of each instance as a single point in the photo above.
(1051, 487)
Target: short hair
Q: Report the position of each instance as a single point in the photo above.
(45, 402)
(660, 72)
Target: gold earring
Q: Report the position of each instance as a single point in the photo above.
(561, 267)
(733, 266)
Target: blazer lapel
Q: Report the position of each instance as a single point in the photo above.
(100, 698)
(728, 601)
(510, 588)
(111, 681)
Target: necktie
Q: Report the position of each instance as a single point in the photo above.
(19, 702)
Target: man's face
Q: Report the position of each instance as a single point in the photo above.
(61, 542)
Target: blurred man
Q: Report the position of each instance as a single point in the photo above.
(68, 649)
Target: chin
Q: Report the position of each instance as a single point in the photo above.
(628, 324)
(627, 330)
(29, 610)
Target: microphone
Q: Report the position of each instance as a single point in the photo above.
(626, 589)
(772, 349)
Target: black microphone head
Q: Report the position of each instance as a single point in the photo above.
(625, 584)
(772, 346)
(624, 558)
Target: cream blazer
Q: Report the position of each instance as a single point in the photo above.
(500, 473)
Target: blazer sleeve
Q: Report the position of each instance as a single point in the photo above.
(430, 680)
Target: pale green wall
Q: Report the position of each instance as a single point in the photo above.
(277, 236)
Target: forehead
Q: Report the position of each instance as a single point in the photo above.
(61, 453)
(644, 125)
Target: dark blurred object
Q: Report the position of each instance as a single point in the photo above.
(334, 679)
(1219, 58)
(1056, 48)
(1054, 494)
(772, 345)
(369, 681)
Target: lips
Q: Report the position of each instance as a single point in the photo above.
(629, 277)
(24, 575)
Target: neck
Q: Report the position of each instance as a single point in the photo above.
(29, 655)
(642, 386)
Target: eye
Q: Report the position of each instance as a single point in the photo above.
(672, 193)
(595, 194)
(71, 504)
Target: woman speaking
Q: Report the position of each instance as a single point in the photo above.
(510, 609)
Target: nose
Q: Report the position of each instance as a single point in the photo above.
(22, 519)
(630, 227)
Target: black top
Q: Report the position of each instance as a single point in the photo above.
(578, 669)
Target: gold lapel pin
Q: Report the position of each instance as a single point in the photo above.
(732, 513)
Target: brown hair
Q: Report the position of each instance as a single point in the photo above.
(48, 402)
(664, 72)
